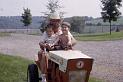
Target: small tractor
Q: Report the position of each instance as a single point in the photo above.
(64, 66)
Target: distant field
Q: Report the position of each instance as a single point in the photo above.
(2, 34)
(20, 31)
(100, 36)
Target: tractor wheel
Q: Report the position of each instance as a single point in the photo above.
(32, 73)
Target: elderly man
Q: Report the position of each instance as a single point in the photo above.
(55, 20)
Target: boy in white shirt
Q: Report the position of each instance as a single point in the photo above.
(49, 40)
(46, 44)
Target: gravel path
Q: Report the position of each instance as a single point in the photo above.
(108, 55)
(20, 45)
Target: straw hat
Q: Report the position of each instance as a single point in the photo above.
(54, 15)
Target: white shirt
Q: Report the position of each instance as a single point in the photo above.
(49, 40)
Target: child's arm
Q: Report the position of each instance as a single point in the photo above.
(73, 40)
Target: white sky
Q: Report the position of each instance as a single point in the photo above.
(71, 7)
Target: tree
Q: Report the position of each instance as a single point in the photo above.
(43, 25)
(77, 24)
(26, 18)
(110, 10)
(98, 24)
(52, 7)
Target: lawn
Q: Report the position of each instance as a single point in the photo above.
(93, 79)
(100, 36)
(14, 69)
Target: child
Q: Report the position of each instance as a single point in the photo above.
(46, 44)
(66, 41)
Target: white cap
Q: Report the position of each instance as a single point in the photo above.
(66, 23)
(54, 15)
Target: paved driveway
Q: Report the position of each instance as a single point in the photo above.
(108, 55)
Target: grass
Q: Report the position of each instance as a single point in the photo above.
(14, 69)
(100, 36)
(34, 34)
(3, 34)
(92, 79)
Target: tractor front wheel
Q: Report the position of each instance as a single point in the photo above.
(32, 73)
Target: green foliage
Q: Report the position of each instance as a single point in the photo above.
(43, 25)
(77, 24)
(13, 69)
(110, 10)
(53, 5)
(26, 17)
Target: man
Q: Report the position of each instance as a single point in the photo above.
(55, 20)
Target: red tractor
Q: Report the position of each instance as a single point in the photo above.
(64, 66)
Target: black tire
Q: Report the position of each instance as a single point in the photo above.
(32, 73)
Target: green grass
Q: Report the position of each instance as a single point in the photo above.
(100, 36)
(13, 69)
(92, 79)
(3, 34)
(37, 34)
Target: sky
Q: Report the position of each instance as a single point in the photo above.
(71, 7)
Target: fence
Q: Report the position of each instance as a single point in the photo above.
(99, 29)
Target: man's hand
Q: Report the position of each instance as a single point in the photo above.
(49, 47)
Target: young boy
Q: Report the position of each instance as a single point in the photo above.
(46, 44)
(66, 41)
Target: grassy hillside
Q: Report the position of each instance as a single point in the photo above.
(100, 36)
